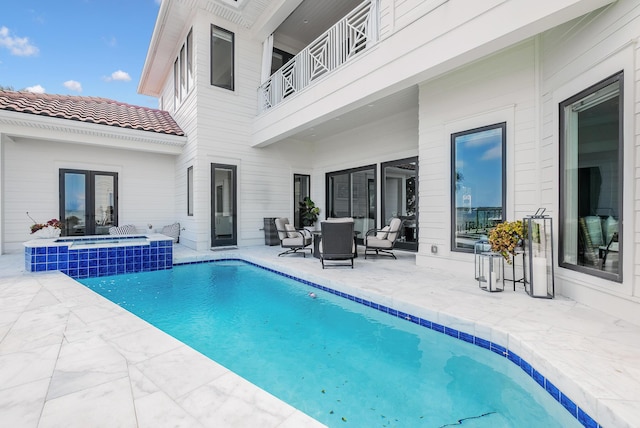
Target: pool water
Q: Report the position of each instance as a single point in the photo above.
(340, 362)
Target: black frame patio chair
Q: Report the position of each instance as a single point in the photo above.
(377, 241)
(337, 243)
(294, 240)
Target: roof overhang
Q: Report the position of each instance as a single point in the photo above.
(19, 126)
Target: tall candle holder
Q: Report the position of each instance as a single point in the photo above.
(538, 245)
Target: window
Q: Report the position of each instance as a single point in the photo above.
(591, 176)
(183, 70)
(190, 191)
(352, 193)
(221, 58)
(176, 82)
(189, 78)
(279, 58)
(301, 190)
(88, 202)
(477, 184)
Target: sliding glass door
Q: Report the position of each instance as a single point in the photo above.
(352, 193)
(88, 202)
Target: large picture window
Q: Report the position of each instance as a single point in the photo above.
(477, 183)
(221, 58)
(591, 177)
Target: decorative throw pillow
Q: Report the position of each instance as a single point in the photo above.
(291, 231)
(172, 231)
(127, 229)
(383, 233)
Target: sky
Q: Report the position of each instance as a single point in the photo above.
(77, 47)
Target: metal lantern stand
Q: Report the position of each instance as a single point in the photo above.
(489, 267)
(538, 247)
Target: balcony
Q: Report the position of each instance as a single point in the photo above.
(349, 37)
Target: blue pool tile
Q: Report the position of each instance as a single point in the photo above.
(500, 350)
(526, 367)
(483, 343)
(437, 327)
(537, 376)
(514, 358)
(586, 420)
(568, 404)
(466, 337)
(52, 258)
(451, 332)
(41, 250)
(552, 390)
(52, 250)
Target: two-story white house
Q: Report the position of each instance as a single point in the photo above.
(452, 115)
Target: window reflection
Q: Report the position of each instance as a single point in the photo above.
(477, 184)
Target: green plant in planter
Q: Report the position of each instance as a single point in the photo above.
(308, 212)
(506, 237)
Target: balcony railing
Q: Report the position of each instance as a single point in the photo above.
(347, 38)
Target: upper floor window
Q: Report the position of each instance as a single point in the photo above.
(222, 58)
(477, 183)
(183, 70)
(591, 177)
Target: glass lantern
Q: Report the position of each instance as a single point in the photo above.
(538, 247)
(479, 247)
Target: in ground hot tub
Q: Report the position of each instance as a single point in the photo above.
(91, 256)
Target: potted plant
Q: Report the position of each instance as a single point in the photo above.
(506, 237)
(308, 212)
(50, 229)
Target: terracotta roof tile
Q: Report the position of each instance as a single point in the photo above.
(91, 110)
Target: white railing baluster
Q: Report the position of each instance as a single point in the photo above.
(351, 35)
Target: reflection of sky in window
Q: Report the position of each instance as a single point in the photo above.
(74, 192)
(479, 162)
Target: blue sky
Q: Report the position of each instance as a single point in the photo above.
(77, 47)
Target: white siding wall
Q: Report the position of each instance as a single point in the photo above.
(575, 56)
(30, 172)
(498, 89)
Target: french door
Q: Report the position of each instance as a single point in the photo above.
(224, 226)
(88, 202)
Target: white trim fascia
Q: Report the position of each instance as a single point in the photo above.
(24, 125)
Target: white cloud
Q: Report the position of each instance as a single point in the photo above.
(120, 75)
(36, 89)
(72, 85)
(19, 46)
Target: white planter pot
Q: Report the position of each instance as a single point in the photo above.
(47, 232)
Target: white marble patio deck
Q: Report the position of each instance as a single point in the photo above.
(69, 358)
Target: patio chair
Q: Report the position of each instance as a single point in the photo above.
(377, 241)
(292, 239)
(337, 242)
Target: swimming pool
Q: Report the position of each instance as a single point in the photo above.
(330, 357)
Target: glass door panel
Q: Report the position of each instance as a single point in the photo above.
(352, 193)
(400, 199)
(301, 190)
(75, 209)
(223, 188)
(104, 186)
